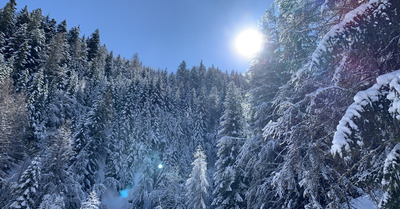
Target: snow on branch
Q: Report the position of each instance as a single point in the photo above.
(390, 167)
(344, 131)
(352, 20)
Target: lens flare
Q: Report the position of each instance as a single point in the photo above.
(124, 193)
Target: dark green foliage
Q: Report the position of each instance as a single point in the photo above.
(7, 18)
(93, 44)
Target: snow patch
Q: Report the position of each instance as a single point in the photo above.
(363, 202)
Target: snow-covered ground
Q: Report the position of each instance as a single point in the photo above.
(363, 202)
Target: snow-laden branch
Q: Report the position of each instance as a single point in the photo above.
(390, 166)
(351, 20)
(344, 131)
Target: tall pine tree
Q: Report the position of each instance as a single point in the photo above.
(229, 189)
(197, 183)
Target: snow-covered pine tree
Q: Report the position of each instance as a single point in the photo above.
(57, 56)
(16, 41)
(22, 17)
(77, 51)
(109, 67)
(197, 183)
(171, 189)
(52, 201)
(198, 115)
(92, 201)
(7, 18)
(38, 93)
(90, 140)
(300, 24)
(55, 166)
(229, 189)
(93, 44)
(259, 157)
(5, 70)
(21, 73)
(37, 41)
(26, 193)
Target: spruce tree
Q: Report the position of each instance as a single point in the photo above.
(7, 18)
(28, 187)
(52, 201)
(93, 44)
(229, 189)
(55, 169)
(23, 17)
(197, 183)
(92, 201)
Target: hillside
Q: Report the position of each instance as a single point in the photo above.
(313, 123)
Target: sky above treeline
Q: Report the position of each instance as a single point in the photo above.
(163, 33)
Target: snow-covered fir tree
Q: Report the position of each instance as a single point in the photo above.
(229, 189)
(26, 193)
(197, 183)
(92, 201)
(52, 201)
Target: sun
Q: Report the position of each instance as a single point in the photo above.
(249, 42)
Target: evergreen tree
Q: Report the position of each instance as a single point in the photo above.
(258, 157)
(7, 18)
(314, 98)
(300, 25)
(56, 60)
(36, 105)
(197, 183)
(92, 201)
(23, 17)
(21, 73)
(37, 41)
(28, 187)
(232, 122)
(5, 70)
(52, 201)
(55, 169)
(90, 140)
(108, 71)
(199, 113)
(17, 40)
(93, 44)
(229, 189)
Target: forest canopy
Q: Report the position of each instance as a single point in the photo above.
(313, 123)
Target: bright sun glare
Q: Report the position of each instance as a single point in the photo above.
(249, 42)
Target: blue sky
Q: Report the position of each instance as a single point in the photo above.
(163, 32)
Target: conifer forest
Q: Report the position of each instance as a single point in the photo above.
(314, 122)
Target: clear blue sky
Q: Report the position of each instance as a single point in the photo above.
(163, 32)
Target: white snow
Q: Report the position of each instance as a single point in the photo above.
(338, 30)
(346, 126)
(391, 159)
(363, 202)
